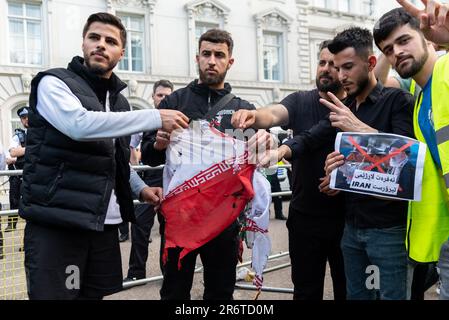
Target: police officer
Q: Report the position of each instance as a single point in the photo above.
(17, 151)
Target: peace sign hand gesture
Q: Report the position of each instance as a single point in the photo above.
(433, 18)
(341, 116)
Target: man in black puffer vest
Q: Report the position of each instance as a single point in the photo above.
(77, 184)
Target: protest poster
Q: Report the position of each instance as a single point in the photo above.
(380, 164)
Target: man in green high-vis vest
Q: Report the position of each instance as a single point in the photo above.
(401, 35)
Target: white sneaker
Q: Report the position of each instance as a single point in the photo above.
(437, 289)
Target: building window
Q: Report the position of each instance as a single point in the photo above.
(272, 56)
(202, 27)
(133, 60)
(323, 4)
(314, 56)
(368, 7)
(25, 33)
(344, 5)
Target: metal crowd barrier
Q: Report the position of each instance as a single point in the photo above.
(12, 273)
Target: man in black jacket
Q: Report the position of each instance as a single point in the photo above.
(77, 184)
(219, 256)
(315, 221)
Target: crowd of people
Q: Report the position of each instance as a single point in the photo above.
(80, 139)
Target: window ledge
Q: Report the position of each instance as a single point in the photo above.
(339, 14)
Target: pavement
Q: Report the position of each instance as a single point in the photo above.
(280, 279)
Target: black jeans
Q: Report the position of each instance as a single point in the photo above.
(219, 257)
(140, 239)
(312, 242)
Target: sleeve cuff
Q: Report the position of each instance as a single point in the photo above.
(137, 184)
(294, 147)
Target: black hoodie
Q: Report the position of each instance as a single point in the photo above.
(194, 101)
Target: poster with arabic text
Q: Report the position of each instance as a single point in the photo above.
(380, 164)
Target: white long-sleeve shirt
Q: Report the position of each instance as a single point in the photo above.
(63, 110)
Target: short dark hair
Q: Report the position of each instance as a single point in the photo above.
(358, 38)
(162, 83)
(323, 45)
(390, 21)
(217, 36)
(106, 18)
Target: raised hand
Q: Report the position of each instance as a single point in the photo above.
(243, 119)
(172, 120)
(152, 195)
(324, 187)
(272, 157)
(259, 144)
(434, 20)
(342, 117)
(162, 140)
(333, 161)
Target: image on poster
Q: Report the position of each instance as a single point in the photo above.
(380, 164)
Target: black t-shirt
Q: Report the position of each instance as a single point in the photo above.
(305, 111)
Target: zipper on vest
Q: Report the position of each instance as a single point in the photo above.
(56, 181)
(106, 190)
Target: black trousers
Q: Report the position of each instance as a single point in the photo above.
(219, 257)
(312, 242)
(62, 263)
(14, 197)
(424, 277)
(140, 239)
(277, 201)
(124, 228)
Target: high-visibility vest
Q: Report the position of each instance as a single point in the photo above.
(412, 88)
(428, 219)
(440, 94)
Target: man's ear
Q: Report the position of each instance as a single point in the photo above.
(230, 63)
(372, 61)
(122, 54)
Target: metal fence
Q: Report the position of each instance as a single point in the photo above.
(12, 272)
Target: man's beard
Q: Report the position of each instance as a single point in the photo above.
(416, 65)
(98, 69)
(331, 86)
(212, 80)
(361, 84)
